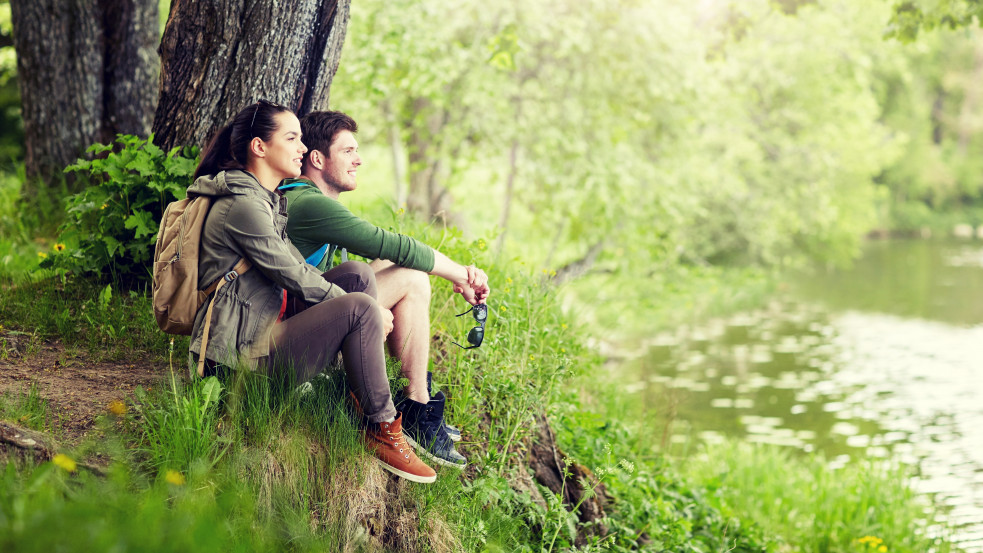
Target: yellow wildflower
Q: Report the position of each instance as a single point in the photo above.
(65, 462)
(174, 477)
(508, 281)
(882, 549)
(42, 255)
(532, 357)
(507, 290)
(502, 309)
(117, 407)
(59, 247)
(563, 326)
(103, 206)
(552, 273)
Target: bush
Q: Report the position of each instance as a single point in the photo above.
(111, 226)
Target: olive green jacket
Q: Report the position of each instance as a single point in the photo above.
(246, 220)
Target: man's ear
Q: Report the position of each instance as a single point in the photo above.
(316, 159)
(257, 147)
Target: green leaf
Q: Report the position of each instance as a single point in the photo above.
(112, 245)
(105, 296)
(143, 163)
(99, 148)
(143, 223)
(211, 390)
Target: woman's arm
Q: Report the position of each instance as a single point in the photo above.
(250, 227)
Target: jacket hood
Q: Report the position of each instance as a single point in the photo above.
(226, 183)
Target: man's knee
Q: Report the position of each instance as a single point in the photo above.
(354, 276)
(409, 284)
(362, 270)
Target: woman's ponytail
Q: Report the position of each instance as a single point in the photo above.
(217, 154)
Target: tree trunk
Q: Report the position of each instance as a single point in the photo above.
(218, 56)
(87, 71)
(503, 221)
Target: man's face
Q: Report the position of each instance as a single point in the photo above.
(340, 167)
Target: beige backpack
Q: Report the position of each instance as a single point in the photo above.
(176, 296)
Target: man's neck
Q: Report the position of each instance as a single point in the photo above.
(322, 185)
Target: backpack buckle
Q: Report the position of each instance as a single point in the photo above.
(231, 275)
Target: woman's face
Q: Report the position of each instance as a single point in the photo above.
(284, 152)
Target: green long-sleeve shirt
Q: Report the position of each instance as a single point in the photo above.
(318, 225)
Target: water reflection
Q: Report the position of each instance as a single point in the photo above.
(880, 361)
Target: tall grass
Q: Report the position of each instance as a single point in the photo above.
(812, 507)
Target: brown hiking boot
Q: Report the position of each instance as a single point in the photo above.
(386, 441)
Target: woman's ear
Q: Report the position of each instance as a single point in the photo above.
(257, 147)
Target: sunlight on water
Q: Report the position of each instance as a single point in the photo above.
(861, 364)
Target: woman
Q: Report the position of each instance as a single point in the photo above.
(250, 323)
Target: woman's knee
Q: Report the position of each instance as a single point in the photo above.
(363, 305)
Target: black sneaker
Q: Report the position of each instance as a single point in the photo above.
(452, 431)
(424, 430)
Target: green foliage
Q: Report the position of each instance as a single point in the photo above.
(80, 313)
(814, 508)
(178, 427)
(112, 224)
(912, 16)
(30, 410)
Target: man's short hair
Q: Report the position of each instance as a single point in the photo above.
(320, 128)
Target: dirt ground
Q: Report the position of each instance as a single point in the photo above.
(76, 388)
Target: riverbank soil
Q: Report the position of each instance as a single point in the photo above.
(76, 386)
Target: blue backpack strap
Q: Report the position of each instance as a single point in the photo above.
(293, 185)
(316, 257)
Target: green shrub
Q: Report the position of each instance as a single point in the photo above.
(111, 226)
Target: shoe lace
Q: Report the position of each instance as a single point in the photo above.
(399, 441)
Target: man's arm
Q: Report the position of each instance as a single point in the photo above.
(469, 281)
(317, 219)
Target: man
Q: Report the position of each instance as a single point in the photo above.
(318, 225)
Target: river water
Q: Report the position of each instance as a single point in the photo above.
(883, 360)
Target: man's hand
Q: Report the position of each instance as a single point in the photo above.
(476, 289)
(387, 320)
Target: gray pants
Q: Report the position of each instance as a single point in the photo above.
(310, 336)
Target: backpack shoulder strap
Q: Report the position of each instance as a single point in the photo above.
(240, 268)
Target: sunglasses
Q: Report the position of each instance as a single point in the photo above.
(255, 111)
(477, 334)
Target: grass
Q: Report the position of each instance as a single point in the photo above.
(29, 410)
(811, 507)
(250, 464)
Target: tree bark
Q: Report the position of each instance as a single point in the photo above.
(86, 71)
(218, 56)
